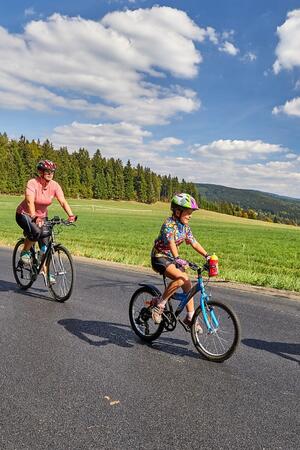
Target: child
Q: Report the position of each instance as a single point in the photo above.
(173, 232)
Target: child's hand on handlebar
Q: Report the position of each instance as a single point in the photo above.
(181, 262)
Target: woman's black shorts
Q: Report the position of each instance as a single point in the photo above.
(31, 230)
(160, 263)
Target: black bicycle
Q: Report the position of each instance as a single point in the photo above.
(55, 264)
(215, 327)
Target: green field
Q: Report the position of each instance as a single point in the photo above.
(249, 251)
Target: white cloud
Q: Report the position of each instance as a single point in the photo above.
(288, 48)
(249, 56)
(291, 155)
(270, 177)
(228, 47)
(288, 57)
(212, 35)
(291, 108)
(236, 163)
(228, 35)
(102, 68)
(122, 140)
(247, 164)
(236, 149)
(29, 12)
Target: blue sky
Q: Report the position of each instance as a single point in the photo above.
(206, 90)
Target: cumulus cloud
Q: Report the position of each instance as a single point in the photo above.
(103, 68)
(236, 149)
(288, 48)
(123, 139)
(291, 108)
(228, 47)
(288, 57)
(249, 56)
(236, 163)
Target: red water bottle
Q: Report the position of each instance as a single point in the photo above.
(213, 266)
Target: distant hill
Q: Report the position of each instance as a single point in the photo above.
(272, 204)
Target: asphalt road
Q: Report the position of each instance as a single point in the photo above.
(74, 376)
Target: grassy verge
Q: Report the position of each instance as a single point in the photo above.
(250, 251)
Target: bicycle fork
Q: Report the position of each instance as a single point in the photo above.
(209, 317)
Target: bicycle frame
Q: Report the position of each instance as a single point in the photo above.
(184, 298)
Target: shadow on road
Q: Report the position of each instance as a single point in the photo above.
(283, 349)
(8, 286)
(121, 335)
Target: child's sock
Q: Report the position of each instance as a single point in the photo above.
(162, 303)
(190, 315)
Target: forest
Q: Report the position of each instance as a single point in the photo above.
(83, 176)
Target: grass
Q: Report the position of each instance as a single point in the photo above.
(249, 251)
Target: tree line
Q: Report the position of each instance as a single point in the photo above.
(82, 176)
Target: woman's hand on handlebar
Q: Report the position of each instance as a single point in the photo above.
(72, 219)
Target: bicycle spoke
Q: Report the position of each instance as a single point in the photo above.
(61, 270)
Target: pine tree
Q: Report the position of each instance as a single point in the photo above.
(129, 193)
(86, 174)
(118, 180)
(99, 186)
(140, 184)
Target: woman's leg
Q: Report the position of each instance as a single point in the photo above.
(31, 230)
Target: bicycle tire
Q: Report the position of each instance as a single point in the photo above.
(221, 342)
(62, 289)
(140, 316)
(20, 271)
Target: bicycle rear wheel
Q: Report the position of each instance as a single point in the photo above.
(220, 342)
(141, 317)
(60, 273)
(23, 274)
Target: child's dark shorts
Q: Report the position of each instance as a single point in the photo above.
(160, 263)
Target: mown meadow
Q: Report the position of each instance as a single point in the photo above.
(249, 251)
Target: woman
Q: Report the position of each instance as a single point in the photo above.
(32, 211)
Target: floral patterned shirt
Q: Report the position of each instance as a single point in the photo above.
(172, 229)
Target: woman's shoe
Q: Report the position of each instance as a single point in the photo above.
(25, 257)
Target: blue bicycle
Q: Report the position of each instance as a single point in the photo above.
(217, 337)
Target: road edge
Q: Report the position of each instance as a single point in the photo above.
(291, 295)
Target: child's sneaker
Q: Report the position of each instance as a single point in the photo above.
(188, 323)
(25, 257)
(156, 314)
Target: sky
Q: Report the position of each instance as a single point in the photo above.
(206, 90)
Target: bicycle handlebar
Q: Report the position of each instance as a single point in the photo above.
(58, 221)
(195, 266)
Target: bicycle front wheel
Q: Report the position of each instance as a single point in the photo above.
(218, 341)
(60, 273)
(23, 273)
(140, 315)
